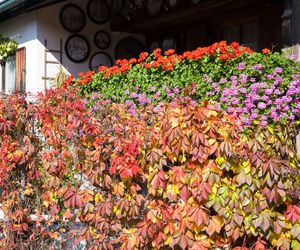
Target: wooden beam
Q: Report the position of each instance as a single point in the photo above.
(193, 13)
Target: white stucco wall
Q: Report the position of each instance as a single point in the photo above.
(23, 29)
(49, 27)
(31, 29)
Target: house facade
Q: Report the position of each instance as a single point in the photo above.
(42, 43)
(79, 35)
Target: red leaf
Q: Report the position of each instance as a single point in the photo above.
(214, 225)
(184, 193)
(292, 213)
(205, 190)
(260, 245)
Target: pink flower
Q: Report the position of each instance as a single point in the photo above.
(261, 105)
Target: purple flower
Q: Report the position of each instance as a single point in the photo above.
(176, 90)
(268, 91)
(206, 78)
(214, 85)
(243, 90)
(222, 80)
(230, 110)
(245, 110)
(292, 117)
(243, 78)
(249, 105)
(264, 123)
(278, 80)
(277, 70)
(235, 101)
(261, 105)
(132, 111)
(157, 94)
(286, 108)
(265, 98)
(257, 67)
(142, 99)
(274, 115)
(239, 110)
(223, 99)
(253, 116)
(133, 95)
(241, 66)
(233, 78)
(278, 101)
(245, 120)
(193, 102)
(128, 103)
(293, 57)
(165, 88)
(277, 92)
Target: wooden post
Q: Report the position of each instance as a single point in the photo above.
(2, 63)
(287, 24)
(291, 38)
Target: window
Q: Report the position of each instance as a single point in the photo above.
(8, 75)
(246, 34)
(12, 74)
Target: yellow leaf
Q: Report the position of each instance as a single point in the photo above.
(168, 240)
(28, 191)
(174, 122)
(270, 129)
(18, 153)
(173, 188)
(215, 188)
(245, 164)
(211, 141)
(274, 242)
(45, 203)
(247, 170)
(153, 219)
(98, 197)
(220, 160)
(256, 122)
(115, 209)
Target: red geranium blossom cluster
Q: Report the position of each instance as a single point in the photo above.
(70, 80)
(85, 78)
(167, 60)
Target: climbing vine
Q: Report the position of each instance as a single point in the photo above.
(8, 48)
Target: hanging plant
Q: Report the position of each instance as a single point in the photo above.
(8, 48)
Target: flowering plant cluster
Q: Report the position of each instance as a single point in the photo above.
(259, 87)
(8, 48)
(160, 66)
(265, 98)
(183, 177)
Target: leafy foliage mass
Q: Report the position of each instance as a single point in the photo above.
(8, 48)
(186, 177)
(262, 87)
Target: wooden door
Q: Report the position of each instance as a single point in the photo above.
(21, 70)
